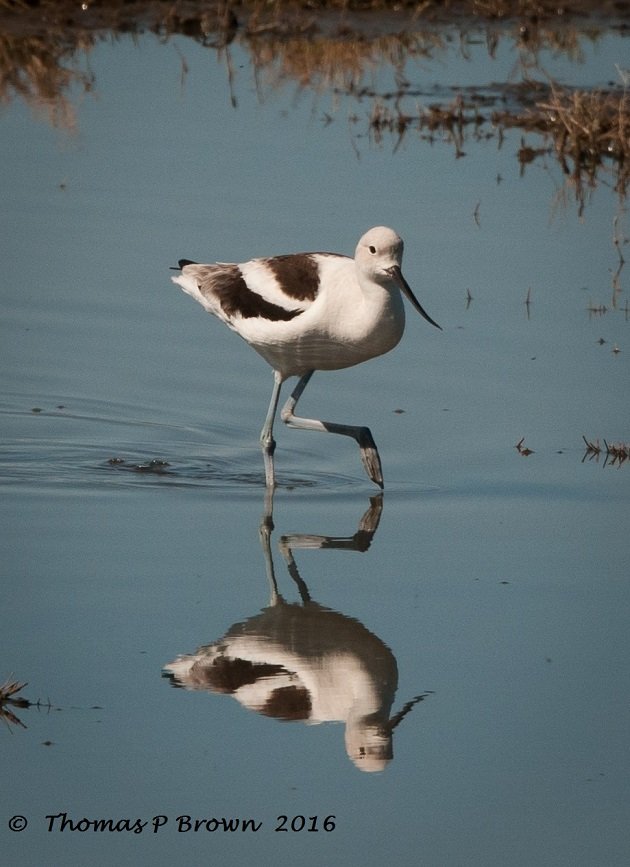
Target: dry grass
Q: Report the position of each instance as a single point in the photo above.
(42, 70)
(8, 697)
(9, 689)
(615, 454)
(274, 9)
(337, 46)
(340, 65)
(589, 129)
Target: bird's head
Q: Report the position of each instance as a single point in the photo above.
(378, 258)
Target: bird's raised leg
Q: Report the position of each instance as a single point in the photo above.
(369, 452)
(267, 441)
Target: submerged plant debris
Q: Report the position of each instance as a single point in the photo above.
(10, 700)
(522, 449)
(155, 466)
(337, 46)
(615, 454)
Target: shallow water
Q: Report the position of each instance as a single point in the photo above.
(132, 478)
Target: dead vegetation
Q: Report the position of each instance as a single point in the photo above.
(9, 699)
(522, 449)
(590, 134)
(338, 46)
(43, 71)
(615, 454)
(587, 131)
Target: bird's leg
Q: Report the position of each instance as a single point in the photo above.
(267, 441)
(369, 452)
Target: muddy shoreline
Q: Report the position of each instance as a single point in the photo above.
(330, 17)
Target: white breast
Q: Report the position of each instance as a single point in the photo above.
(345, 325)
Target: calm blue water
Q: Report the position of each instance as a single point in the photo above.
(497, 582)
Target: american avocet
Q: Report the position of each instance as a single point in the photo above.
(301, 661)
(311, 311)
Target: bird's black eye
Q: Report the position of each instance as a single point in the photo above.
(372, 249)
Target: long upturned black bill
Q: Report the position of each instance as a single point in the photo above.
(397, 274)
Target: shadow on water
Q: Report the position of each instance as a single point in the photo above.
(363, 55)
(303, 662)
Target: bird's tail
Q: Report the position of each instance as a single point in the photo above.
(182, 264)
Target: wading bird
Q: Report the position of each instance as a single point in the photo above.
(311, 311)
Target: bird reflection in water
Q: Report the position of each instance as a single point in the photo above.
(301, 661)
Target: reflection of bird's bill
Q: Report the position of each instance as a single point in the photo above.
(406, 290)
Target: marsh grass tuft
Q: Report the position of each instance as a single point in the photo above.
(9, 689)
(8, 698)
(589, 129)
(615, 453)
(42, 70)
